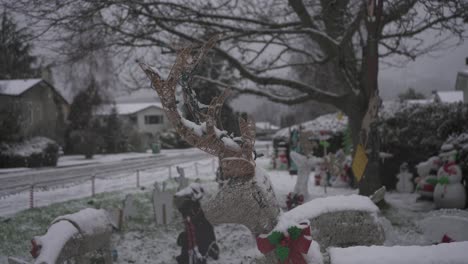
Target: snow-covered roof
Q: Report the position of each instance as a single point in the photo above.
(450, 96)
(17, 87)
(266, 125)
(126, 108)
(329, 122)
(463, 72)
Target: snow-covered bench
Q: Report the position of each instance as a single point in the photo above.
(72, 237)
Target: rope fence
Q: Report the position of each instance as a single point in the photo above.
(137, 174)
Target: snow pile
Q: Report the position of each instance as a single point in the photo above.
(450, 253)
(450, 222)
(329, 122)
(26, 148)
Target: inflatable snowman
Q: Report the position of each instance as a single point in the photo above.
(404, 184)
(304, 165)
(449, 191)
(427, 179)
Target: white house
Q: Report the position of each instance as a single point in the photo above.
(448, 97)
(148, 118)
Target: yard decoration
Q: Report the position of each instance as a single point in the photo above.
(288, 246)
(74, 237)
(427, 177)
(404, 184)
(162, 205)
(183, 182)
(248, 188)
(198, 240)
(449, 191)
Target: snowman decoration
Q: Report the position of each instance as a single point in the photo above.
(449, 191)
(404, 184)
(427, 177)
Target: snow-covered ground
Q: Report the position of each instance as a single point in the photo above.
(143, 242)
(46, 196)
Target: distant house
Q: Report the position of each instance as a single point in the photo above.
(462, 83)
(40, 108)
(265, 130)
(147, 118)
(448, 97)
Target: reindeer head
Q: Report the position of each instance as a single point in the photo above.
(234, 153)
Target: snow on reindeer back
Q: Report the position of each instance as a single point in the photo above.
(89, 220)
(331, 204)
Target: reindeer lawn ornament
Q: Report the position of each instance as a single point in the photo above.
(72, 237)
(247, 197)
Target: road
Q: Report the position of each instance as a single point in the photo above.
(19, 181)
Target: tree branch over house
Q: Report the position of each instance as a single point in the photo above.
(258, 39)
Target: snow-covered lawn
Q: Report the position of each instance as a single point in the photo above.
(144, 242)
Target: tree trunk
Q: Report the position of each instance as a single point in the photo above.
(370, 182)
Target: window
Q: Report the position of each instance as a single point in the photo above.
(153, 119)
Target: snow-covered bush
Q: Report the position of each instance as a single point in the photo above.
(170, 140)
(34, 152)
(417, 132)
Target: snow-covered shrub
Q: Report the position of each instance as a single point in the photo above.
(34, 152)
(170, 140)
(416, 133)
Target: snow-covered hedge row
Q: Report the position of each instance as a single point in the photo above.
(34, 152)
(417, 132)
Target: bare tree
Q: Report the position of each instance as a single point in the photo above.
(345, 40)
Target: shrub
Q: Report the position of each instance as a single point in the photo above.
(171, 140)
(416, 133)
(35, 152)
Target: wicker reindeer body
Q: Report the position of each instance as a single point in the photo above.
(247, 197)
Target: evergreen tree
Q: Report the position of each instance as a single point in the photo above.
(15, 51)
(82, 132)
(411, 94)
(114, 137)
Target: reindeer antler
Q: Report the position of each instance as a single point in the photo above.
(202, 133)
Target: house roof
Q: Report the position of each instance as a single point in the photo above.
(331, 123)
(20, 86)
(463, 72)
(266, 125)
(17, 87)
(450, 96)
(126, 108)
